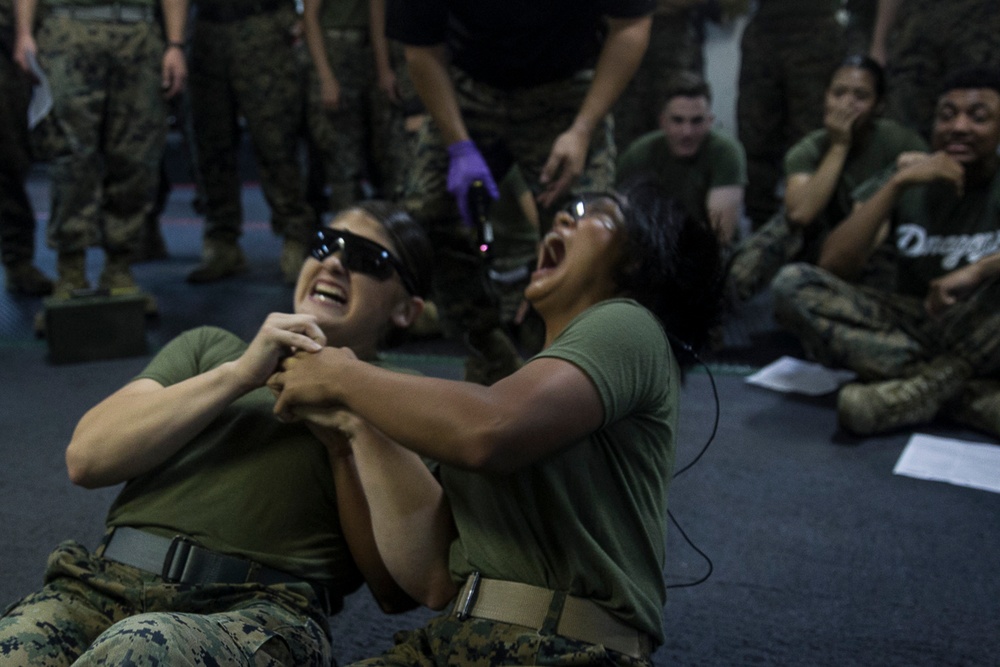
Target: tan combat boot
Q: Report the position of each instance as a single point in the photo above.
(219, 260)
(878, 407)
(118, 280)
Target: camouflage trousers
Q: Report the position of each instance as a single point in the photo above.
(93, 611)
(17, 219)
(344, 136)
(880, 334)
(509, 127)
(110, 118)
(784, 69)
(482, 643)
(758, 258)
(248, 69)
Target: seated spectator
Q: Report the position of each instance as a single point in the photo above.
(702, 167)
(224, 545)
(822, 171)
(553, 481)
(929, 346)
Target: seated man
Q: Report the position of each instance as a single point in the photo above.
(703, 168)
(929, 345)
(225, 546)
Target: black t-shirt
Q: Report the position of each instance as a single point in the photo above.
(511, 43)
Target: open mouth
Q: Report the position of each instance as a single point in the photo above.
(328, 293)
(552, 252)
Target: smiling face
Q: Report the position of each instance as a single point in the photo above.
(967, 125)
(577, 260)
(354, 309)
(685, 122)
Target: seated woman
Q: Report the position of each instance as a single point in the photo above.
(822, 171)
(225, 544)
(556, 476)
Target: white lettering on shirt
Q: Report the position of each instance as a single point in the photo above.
(913, 241)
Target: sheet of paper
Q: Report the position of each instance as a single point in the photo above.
(789, 374)
(958, 462)
(41, 95)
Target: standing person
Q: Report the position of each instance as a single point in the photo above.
(110, 70)
(17, 219)
(225, 544)
(928, 346)
(822, 172)
(528, 84)
(702, 167)
(787, 52)
(244, 65)
(546, 524)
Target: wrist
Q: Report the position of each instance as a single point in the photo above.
(174, 45)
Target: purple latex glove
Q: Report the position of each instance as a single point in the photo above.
(467, 165)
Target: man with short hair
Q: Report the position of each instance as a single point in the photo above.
(928, 346)
(702, 167)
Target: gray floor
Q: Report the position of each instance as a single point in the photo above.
(821, 555)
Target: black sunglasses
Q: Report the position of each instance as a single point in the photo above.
(362, 255)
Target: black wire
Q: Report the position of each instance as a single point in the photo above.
(715, 428)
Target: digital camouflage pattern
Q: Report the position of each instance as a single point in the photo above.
(881, 334)
(482, 643)
(110, 120)
(248, 68)
(508, 127)
(100, 612)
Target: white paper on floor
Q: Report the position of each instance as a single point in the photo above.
(959, 462)
(789, 374)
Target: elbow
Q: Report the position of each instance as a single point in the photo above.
(440, 594)
(80, 468)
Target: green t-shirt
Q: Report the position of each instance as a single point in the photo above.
(591, 518)
(867, 157)
(344, 14)
(248, 485)
(719, 162)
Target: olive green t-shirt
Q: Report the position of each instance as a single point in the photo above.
(591, 518)
(719, 162)
(344, 14)
(248, 485)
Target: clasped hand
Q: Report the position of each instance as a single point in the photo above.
(305, 380)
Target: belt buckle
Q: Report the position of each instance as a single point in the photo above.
(470, 591)
(175, 560)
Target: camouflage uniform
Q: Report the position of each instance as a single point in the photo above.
(933, 39)
(482, 643)
(522, 123)
(881, 334)
(109, 112)
(243, 64)
(103, 612)
(675, 45)
(788, 51)
(17, 220)
(344, 136)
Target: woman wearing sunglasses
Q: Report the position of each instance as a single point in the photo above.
(224, 546)
(544, 531)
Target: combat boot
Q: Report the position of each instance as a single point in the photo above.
(219, 260)
(118, 280)
(23, 277)
(492, 357)
(71, 268)
(977, 405)
(293, 253)
(878, 407)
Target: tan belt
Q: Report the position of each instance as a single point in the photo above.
(523, 604)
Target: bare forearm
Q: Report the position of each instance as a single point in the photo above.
(313, 33)
(429, 72)
(24, 16)
(380, 43)
(619, 59)
(851, 243)
(143, 424)
(410, 518)
(174, 19)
